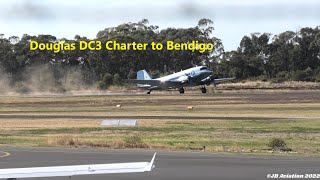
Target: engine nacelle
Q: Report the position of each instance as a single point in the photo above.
(208, 80)
(184, 79)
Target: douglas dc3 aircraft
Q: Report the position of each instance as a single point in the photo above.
(56, 171)
(196, 76)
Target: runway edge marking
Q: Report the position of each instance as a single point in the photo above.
(5, 154)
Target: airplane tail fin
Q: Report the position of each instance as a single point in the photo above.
(143, 75)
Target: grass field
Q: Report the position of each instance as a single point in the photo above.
(224, 122)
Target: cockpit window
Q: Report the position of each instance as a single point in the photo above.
(203, 68)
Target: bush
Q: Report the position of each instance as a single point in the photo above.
(283, 74)
(278, 144)
(262, 78)
(155, 74)
(134, 142)
(132, 74)
(299, 75)
(317, 78)
(303, 75)
(280, 77)
(106, 81)
(64, 140)
(117, 80)
(101, 85)
(278, 80)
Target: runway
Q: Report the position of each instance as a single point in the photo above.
(169, 165)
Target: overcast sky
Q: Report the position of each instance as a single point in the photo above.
(232, 18)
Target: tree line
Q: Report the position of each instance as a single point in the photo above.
(286, 56)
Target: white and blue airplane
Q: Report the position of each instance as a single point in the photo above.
(196, 76)
(76, 170)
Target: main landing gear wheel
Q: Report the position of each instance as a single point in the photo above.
(149, 92)
(181, 90)
(203, 89)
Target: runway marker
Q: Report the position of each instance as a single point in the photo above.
(6, 154)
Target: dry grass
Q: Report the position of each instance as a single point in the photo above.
(233, 123)
(47, 123)
(78, 141)
(261, 84)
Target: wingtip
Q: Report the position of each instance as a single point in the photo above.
(151, 166)
(154, 156)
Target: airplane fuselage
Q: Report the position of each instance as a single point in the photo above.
(191, 77)
(196, 76)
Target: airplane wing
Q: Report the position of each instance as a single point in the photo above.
(154, 82)
(208, 80)
(222, 80)
(55, 171)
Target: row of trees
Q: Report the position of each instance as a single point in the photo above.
(289, 55)
(16, 58)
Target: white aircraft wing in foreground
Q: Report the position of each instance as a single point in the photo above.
(55, 171)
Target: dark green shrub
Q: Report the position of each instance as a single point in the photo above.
(117, 80)
(132, 75)
(106, 81)
(278, 144)
(278, 80)
(303, 75)
(101, 85)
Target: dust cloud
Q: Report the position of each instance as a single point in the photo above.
(45, 80)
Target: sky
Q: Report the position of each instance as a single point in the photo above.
(232, 19)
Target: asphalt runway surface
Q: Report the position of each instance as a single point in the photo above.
(169, 165)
